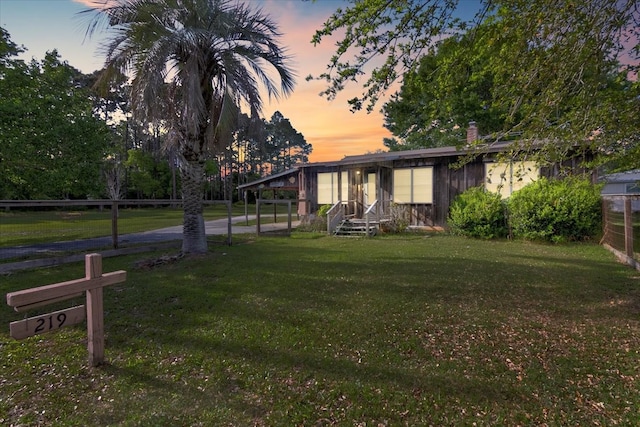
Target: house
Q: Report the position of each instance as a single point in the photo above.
(424, 182)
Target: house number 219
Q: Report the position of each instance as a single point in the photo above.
(47, 323)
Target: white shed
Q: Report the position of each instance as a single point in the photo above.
(627, 182)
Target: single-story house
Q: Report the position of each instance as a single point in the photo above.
(424, 181)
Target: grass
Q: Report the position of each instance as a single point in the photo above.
(313, 330)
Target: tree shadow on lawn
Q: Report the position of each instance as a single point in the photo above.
(238, 395)
(523, 279)
(599, 290)
(159, 399)
(204, 313)
(569, 286)
(204, 318)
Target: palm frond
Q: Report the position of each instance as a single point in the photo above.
(204, 59)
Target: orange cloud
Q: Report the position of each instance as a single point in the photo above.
(92, 3)
(329, 126)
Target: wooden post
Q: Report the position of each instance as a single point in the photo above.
(605, 221)
(258, 216)
(92, 284)
(114, 224)
(246, 207)
(628, 228)
(229, 223)
(367, 223)
(95, 310)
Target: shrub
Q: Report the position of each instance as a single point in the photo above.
(556, 210)
(317, 222)
(313, 223)
(322, 210)
(478, 213)
(398, 221)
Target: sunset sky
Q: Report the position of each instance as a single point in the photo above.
(333, 131)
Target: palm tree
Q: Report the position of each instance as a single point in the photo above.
(193, 65)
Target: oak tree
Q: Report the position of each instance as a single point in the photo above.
(564, 72)
(51, 144)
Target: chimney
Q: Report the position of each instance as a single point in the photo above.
(472, 133)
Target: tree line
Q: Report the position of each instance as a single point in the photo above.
(67, 135)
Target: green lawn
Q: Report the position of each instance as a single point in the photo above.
(316, 331)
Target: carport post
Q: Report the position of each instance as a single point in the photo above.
(114, 224)
(258, 215)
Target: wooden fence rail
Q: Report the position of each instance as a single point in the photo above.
(113, 205)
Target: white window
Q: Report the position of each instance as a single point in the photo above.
(328, 188)
(505, 178)
(370, 189)
(344, 195)
(414, 185)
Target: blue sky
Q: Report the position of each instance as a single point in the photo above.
(44, 25)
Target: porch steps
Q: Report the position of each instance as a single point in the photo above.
(355, 227)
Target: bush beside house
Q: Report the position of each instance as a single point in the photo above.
(478, 213)
(546, 210)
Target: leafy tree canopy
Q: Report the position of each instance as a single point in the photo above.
(563, 72)
(432, 108)
(51, 144)
(147, 176)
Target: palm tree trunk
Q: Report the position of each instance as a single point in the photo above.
(194, 238)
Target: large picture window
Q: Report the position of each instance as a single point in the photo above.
(413, 185)
(506, 177)
(328, 188)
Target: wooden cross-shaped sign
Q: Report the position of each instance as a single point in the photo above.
(92, 284)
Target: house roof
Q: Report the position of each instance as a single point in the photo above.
(382, 158)
(413, 154)
(399, 155)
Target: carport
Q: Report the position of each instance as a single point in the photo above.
(283, 181)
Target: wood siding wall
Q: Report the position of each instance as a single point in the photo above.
(449, 181)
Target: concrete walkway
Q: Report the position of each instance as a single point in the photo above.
(212, 228)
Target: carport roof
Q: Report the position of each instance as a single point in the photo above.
(261, 181)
